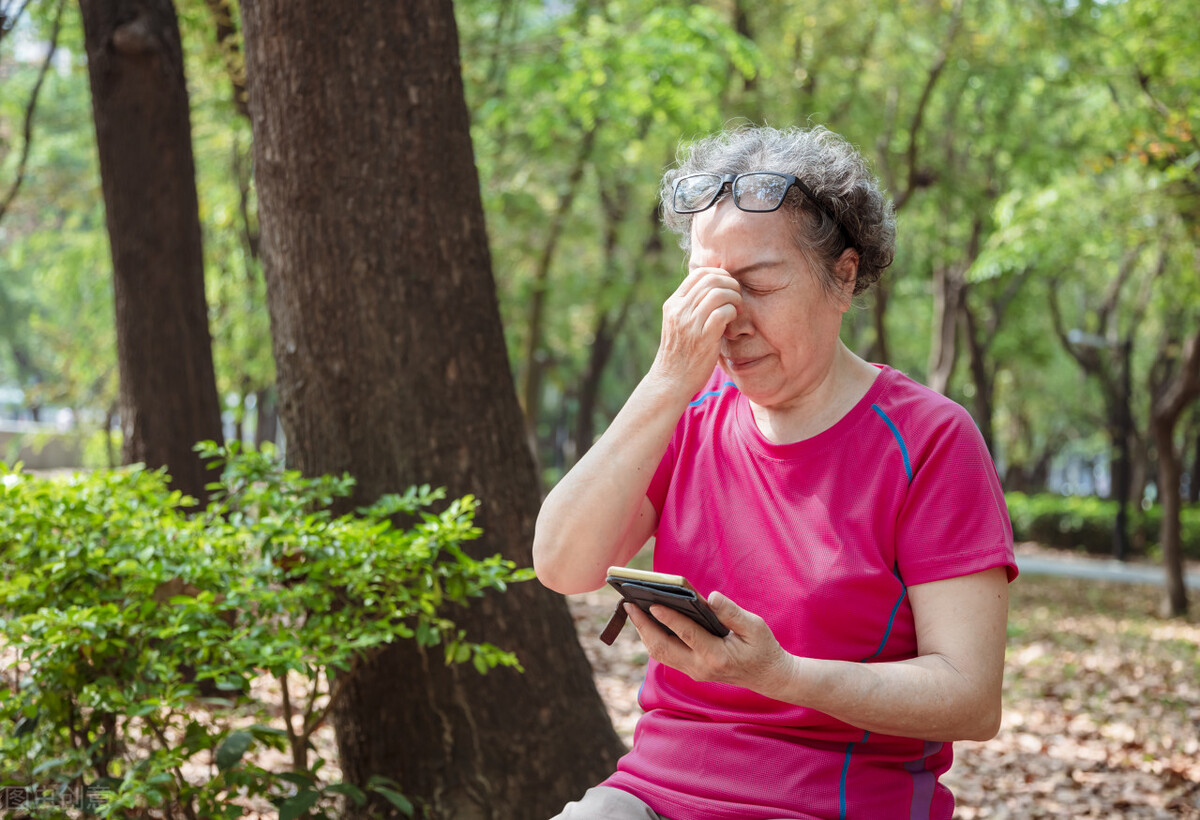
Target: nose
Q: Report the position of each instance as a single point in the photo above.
(740, 326)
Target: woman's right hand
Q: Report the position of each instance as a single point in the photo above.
(598, 513)
(694, 320)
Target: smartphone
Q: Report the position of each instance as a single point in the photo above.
(646, 588)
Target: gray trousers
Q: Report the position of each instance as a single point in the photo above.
(605, 803)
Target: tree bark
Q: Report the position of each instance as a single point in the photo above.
(1193, 495)
(983, 377)
(1175, 601)
(265, 418)
(948, 288)
(1110, 364)
(168, 394)
(392, 366)
(1173, 392)
(225, 34)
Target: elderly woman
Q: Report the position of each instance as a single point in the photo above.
(845, 523)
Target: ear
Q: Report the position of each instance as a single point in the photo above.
(845, 272)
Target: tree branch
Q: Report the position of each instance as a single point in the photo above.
(914, 129)
(29, 110)
(1086, 357)
(1178, 392)
(1001, 305)
(8, 21)
(1112, 298)
(1158, 105)
(228, 44)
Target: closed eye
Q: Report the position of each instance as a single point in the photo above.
(759, 289)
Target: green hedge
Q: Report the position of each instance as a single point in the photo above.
(1085, 524)
(133, 629)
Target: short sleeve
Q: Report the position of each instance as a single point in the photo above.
(954, 520)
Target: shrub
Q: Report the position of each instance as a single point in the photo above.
(137, 628)
(1086, 523)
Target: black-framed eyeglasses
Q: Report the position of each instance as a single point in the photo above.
(756, 192)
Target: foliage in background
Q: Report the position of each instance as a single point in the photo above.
(137, 634)
(57, 340)
(1085, 523)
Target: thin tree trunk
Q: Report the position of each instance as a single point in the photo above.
(880, 353)
(265, 426)
(949, 307)
(982, 377)
(1193, 496)
(948, 288)
(228, 42)
(531, 384)
(392, 366)
(168, 393)
(1173, 393)
(609, 324)
(1175, 602)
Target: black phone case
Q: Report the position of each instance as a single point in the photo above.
(646, 593)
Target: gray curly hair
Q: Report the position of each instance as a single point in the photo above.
(832, 168)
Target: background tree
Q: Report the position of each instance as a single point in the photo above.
(392, 366)
(168, 395)
(574, 116)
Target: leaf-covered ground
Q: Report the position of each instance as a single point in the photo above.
(1101, 696)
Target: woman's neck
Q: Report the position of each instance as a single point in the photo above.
(843, 385)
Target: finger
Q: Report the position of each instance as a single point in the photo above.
(690, 283)
(729, 613)
(656, 640)
(685, 629)
(720, 318)
(712, 295)
(644, 624)
(701, 280)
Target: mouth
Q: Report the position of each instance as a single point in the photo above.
(739, 364)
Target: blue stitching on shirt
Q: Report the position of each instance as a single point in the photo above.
(845, 770)
(703, 396)
(850, 747)
(899, 439)
(892, 618)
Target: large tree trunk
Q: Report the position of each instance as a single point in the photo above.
(168, 394)
(392, 366)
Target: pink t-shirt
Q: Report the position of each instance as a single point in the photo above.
(821, 538)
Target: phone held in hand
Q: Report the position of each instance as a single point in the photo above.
(645, 588)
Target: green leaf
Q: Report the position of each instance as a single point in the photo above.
(49, 764)
(396, 799)
(350, 790)
(231, 750)
(294, 807)
(300, 779)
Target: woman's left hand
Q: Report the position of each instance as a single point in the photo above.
(749, 656)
